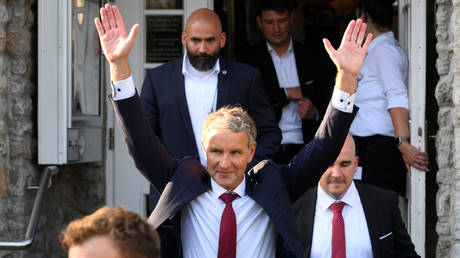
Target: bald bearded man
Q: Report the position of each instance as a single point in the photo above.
(178, 95)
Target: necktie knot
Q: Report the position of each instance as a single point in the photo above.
(337, 207)
(228, 197)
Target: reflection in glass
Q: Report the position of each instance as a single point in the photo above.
(85, 58)
(163, 4)
(163, 34)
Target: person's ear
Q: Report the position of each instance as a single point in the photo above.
(222, 39)
(259, 22)
(253, 151)
(184, 38)
(356, 163)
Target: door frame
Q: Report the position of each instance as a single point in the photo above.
(412, 36)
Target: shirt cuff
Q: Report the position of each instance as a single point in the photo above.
(123, 89)
(343, 101)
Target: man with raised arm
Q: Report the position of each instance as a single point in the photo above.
(221, 210)
(178, 95)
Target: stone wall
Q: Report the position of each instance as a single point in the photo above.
(77, 190)
(448, 137)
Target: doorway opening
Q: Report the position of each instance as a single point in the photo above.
(318, 19)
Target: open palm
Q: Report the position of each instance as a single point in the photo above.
(115, 42)
(350, 55)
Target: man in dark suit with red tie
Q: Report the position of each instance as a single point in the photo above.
(342, 218)
(222, 210)
(178, 95)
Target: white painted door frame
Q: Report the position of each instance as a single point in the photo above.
(412, 36)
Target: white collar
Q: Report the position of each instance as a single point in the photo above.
(273, 52)
(386, 36)
(350, 198)
(190, 71)
(217, 190)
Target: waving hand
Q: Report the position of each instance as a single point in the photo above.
(349, 57)
(115, 42)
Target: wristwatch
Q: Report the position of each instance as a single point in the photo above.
(400, 140)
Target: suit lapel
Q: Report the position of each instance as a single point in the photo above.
(310, 208)
(271, 72)
(222, 83)
(178, 85)
(372, 219)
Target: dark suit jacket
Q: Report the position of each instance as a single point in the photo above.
(382, 216)
(314, 87)
(165, 104)
(272, 186)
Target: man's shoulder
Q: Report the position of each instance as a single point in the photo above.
(175, 64)
(236, 66)
(374, 192)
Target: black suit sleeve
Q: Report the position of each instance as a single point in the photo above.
(306, 168)
(149, 100)
(268, 132)
(148, 153)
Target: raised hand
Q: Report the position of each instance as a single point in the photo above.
(349, 57)
(115, 43)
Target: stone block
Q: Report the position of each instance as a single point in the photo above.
(456, 148)
(19, 66)
(443, 229)
(444, 141)
(443, 202)
(445, 117)
(3, 147)
(3, 182)
(21, 106)
(444, 247)
(444, 176)
(18, 42)
(3, 128)
(3, 106)
(4, 17)
(20, 128)
(443, 62)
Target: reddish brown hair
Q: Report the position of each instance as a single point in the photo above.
(131, 234)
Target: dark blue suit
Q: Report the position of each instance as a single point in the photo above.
(165, 104)
(272, 186)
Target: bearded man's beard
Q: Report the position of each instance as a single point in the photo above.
(202, 61)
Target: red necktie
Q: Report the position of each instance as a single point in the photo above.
(338, 231)
(227, 234)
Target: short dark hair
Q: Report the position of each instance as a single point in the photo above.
(279, 6)
(130, 234)
(380, 11)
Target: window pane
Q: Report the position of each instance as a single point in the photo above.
(85, 58)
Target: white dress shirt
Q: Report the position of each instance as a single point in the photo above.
(201, 95)
(286, 71)
(381, 86)
(357, 239)
(200, 225)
